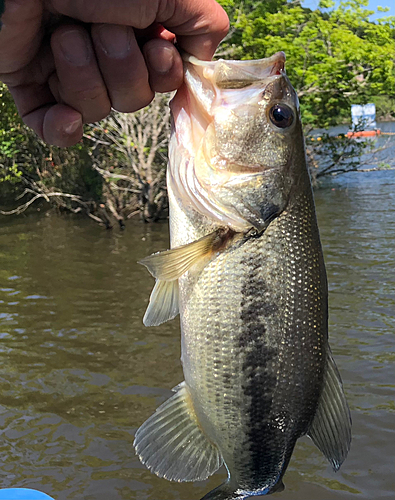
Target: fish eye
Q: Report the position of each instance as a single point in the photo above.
(281, 115)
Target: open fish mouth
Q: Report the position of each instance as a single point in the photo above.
(239, 74)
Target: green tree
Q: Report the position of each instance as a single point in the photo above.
(334, 58)
(11, 136)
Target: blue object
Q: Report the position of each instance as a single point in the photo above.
(23, 494)
(364, 116)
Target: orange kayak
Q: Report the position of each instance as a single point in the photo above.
(364, 133)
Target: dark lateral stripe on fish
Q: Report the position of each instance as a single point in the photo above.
(256, 367)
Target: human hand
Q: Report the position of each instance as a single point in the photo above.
(63, 72)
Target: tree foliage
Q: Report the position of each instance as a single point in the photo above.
(335, 56)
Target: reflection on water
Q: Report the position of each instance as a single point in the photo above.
(79, 372)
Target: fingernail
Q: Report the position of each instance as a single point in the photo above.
(72, 127)
(115, 40)
(160, 59)
(75, 47)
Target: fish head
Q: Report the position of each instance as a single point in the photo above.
(238, 129)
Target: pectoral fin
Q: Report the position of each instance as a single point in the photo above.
(331, 427)
(172, 444)
(163, 303)
(172, 264)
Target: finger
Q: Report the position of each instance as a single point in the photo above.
(81, 85)
(56, 124)
(122, 66)
(199, 25)
(164, 65)
(20, 34)
(34, 98)
(62, 126)
(136, 13)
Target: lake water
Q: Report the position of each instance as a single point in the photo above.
(79, 372)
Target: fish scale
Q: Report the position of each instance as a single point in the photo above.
(273, 318)
(246, 273)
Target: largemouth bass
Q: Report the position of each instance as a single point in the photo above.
(246, 273)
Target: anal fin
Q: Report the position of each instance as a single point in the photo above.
(331, 427)
(172, 444)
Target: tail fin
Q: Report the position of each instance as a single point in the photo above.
(223, 492)
(228, 492)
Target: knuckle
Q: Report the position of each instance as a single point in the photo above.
(133, 95)
(96, 114)
(223, 27)
(93, 103)
(92, 94)
(9, 79)
(146, 13)
(145, 101)
(83, 95)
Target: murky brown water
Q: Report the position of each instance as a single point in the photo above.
(79, 372)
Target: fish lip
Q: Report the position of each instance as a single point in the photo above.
(278, 59)
(278, 67)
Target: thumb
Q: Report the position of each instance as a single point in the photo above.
(198, 25)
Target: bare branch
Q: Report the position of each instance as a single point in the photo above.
(37, 196)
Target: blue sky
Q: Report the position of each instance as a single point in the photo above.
(373, 4)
